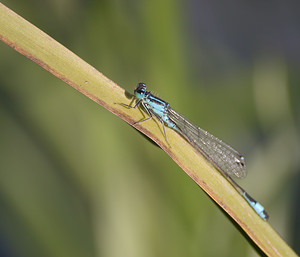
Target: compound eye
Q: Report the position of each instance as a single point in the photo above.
(141, 84)
(141, 89)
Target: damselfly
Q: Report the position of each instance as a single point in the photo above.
(227, 160)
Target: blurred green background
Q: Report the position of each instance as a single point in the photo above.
(76, 180)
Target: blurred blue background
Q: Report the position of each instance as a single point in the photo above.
(78, 181)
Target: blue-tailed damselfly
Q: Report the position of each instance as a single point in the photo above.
(227, 160)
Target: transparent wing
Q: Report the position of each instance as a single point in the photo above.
(222, 155)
